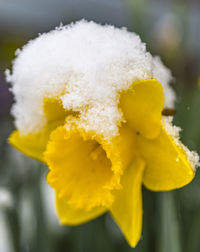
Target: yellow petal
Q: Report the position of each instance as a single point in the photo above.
(85, 167)
(34, 144)
(142, 105)
(167, 165)
(71, 216)
(54, 110)
(127, 208)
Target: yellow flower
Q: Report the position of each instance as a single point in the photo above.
(92, 174)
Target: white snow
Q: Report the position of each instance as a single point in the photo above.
(164, 76)
(86, 65)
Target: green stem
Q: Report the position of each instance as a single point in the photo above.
(169, 230)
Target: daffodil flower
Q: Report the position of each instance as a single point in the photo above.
(102, 145)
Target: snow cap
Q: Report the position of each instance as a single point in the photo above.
(86, 65)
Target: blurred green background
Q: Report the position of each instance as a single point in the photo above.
(28, 222)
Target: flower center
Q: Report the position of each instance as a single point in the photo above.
(80, 170)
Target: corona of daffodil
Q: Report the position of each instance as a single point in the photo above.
(88, 103)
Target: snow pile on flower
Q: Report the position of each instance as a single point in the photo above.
(86, 65)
